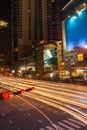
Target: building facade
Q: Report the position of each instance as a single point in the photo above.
(35, 25)
(23, 16)
(49, 35)
(74, 30)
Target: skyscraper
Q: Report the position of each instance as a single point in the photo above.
(49, 13)
(36, 26)
(22, 29)
(50, 30)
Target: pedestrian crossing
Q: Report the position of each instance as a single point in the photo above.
(69, 124)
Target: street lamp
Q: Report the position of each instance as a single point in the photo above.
(3, 24)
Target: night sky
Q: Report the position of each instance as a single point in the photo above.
(5, 9)
(64, 2)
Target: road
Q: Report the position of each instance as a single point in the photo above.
(50, 106)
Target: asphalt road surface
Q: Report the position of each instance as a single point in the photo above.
(50, 106)
(22, 113)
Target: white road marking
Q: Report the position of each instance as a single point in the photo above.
(72, 124)
(66, 126)
(10, 121)
(77, 122)
(49, 128)
(40, 121)
(59, 127)
(29, 114)
(3, 114)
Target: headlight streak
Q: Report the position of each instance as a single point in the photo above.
(61, 85)
(31, 95)
(58, 97)
(61, 93)
(39, 95)
(61, 107)
(64, 99)
(58, 86)
(84, 114)
(51, 94)
(64, 92)
(61, 88)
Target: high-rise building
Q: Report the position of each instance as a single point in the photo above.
(49, 34)
(23, 14)
(36, 27)
(50, 13)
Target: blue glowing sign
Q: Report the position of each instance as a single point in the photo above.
(76, 30)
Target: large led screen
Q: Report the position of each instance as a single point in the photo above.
(76, 30)
(50, 57)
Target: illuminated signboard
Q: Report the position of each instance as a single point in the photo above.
(50, 57)
(76, 30)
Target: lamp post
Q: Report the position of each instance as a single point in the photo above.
(70, 71)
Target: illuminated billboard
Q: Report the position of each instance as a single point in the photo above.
(76, 31)
(50, 57)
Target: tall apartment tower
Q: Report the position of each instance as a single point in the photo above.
(23, 17)
(47, 16)
(50, 29)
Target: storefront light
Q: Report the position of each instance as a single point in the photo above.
(13, 71)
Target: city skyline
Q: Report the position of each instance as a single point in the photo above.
(35, 27)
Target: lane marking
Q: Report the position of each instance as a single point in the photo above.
(59, 127)
(66, 126)
(40, 121)
(77, 122)
(10, 121)
(3, 114)
(49, 128)
(29, 114)
(72, 124)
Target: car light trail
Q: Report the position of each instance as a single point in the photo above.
(61, 96)
(61, 107)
